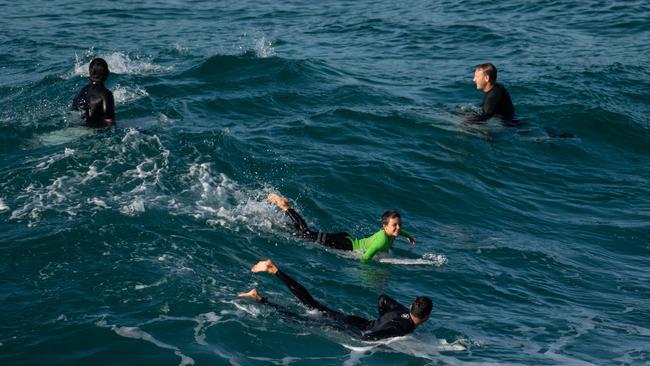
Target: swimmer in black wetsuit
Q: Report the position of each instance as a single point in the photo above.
(394, 319)
(496, 101)
(94, 99)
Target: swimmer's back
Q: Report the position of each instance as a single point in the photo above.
(97, 103)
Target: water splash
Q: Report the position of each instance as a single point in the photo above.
(118, 63)
(222, 202)
(264, 48)
(125, 94)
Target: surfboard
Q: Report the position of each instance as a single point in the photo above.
(63, 136)
(427, 260)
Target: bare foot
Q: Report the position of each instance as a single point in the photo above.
(279, 201)
(252, 294)
(265, 266)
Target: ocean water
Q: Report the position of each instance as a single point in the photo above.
(127, 246)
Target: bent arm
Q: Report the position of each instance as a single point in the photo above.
(384, 332)
(408, 237)
(109, 110)
(490, 103)
(387, 303)
(377, 335)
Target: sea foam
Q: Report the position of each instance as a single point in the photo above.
(118, 63)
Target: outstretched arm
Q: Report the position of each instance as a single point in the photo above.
(408, 237)
(252, 294)
(297, 289)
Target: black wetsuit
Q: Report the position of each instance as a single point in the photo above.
(97, 103)
(496, 102)
(394, 319)
(339, 241)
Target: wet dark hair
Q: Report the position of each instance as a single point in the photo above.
(490, 70)
(98, 70)
(390, 214)
(421, 307)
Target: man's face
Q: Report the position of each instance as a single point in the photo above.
(480, 79)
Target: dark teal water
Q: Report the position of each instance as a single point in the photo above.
(127, 246)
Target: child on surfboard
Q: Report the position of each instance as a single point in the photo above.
(381, 241)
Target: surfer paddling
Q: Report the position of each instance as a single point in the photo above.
(94, 100)
(381, 241)
(394, 319)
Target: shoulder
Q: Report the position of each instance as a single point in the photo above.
(85, 88)
(105, 92)
(379, 234)
(502, 89)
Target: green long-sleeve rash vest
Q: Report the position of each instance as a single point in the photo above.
(378, 242)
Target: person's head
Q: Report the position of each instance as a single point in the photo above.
(98, 70)
(391, 222)
(485, 76)
(421, 309)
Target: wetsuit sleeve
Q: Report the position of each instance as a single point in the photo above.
(109, 107)
(75, 103)
(382, 333)
(404, 234)
(79, 101)
(280, 309)
(386, 304)
(391, 325)
(302, 294)
(490, 103)
(298, 222)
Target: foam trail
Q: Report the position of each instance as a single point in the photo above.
(3, 206)
(359, 352)
(137, 333)
(204, 321)
(222, 202)
(427, 347)
(155, 284)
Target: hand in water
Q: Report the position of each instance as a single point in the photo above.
(411, 240)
